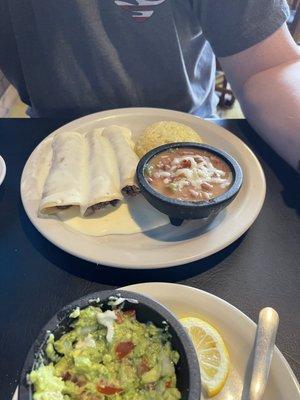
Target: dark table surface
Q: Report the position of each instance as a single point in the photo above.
(36, 279)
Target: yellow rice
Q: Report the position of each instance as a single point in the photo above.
(164, 132)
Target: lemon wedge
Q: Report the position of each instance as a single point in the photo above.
(212, 354)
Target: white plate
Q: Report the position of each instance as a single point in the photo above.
(238, 332)
(2, 170)
(166, 246)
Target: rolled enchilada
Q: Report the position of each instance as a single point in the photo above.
(120, 139)
(102, 180)
(89, 171)
(64, 184)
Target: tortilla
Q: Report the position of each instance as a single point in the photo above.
(120, 139)
(63, 185)
(102, 180)
(89, 171)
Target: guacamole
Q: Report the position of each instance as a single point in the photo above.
(107, 355)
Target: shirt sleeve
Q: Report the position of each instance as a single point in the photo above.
(232, 26)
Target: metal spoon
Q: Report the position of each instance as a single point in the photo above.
(263, 352)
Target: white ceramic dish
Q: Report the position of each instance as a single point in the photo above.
(166, 246)
(238, 332)
(2, 170)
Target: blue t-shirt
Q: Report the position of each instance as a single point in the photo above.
(69, 58)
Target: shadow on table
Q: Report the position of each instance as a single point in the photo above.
(116, 276)
(7, 207)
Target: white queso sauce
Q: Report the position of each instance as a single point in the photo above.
(189, 174)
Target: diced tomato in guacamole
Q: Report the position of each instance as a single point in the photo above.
(108, 355)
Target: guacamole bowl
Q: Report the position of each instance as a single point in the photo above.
(148, 331)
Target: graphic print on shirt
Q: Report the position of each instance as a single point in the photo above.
(140, 10)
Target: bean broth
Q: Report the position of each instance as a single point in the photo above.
(189, 174)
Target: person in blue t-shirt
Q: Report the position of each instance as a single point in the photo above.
(71, 58)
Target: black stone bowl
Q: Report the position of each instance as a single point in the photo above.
(179, 210)
(187, 369)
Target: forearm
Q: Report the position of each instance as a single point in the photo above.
(271, 102)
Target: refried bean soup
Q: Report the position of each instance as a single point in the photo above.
(189, 174)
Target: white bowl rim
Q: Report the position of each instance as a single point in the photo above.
(2, 169)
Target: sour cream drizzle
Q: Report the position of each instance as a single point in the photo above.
(116, 301)
(107, 319)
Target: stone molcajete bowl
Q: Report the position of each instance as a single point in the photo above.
(187, 369)
(179, 210)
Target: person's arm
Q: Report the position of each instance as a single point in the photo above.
(266, 81)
